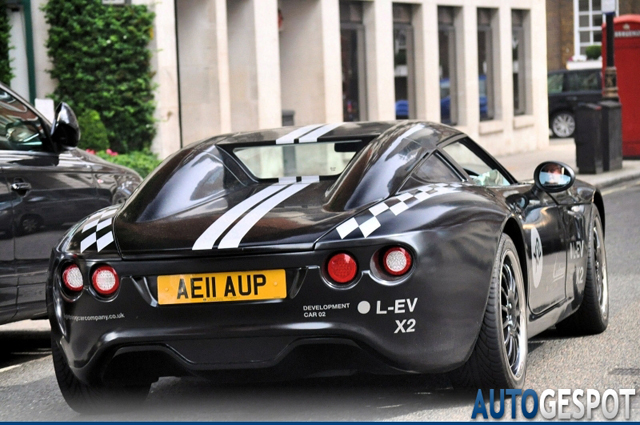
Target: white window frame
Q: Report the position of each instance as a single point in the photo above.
(576, 27)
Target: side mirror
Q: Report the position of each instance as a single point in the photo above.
(553, 177)
(65, 131)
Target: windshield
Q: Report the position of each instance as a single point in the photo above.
(300, 159)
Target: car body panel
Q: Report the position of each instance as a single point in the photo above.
(61, 186)
(425, 321)
(573, 93)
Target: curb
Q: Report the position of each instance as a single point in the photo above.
(613, 181)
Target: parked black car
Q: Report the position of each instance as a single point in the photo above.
(46, 186)
(568, 88)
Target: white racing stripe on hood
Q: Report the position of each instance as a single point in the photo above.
(314, 135)
(235, 235)
(209, 237)
(291, 137)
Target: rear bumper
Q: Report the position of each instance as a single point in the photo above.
(424, 324)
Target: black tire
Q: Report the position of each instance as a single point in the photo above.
(592, 317)
(492, 365)
(89, 399)
(563, 124)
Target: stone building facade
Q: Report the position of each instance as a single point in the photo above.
(235, 65)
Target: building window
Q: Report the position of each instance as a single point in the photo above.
(448, 78)
(403, 60)
(486, 64)
(519, 59)
(588, 25)
(353, 61)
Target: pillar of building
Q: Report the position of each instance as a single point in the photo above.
(164, 64)
(254, 63)
(378, 24)
(539, 111)
(44, 84)
(309, 66)
(425, 24)
(467, 61)
(203, 58)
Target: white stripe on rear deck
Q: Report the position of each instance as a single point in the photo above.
(209, 237)
(235, 235)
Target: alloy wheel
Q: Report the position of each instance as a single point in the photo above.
(564, 125)
(601, 280)
(513, 316)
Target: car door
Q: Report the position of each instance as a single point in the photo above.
(8, 278)
(541, 216)
(49, 192)
(583, 87)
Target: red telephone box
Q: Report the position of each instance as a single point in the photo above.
(627, 61)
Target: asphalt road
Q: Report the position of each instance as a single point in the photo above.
(28, 389)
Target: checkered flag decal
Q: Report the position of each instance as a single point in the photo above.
(368, 222)
(101, 230)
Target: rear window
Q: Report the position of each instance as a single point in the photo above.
(432, 170)
(300, 159)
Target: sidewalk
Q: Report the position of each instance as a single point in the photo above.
(564, 150)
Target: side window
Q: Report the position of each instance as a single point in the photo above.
(432, 170)
(554, 83)
(20, 129)
(583, 81)
(481, 170)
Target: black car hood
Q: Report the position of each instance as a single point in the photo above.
(262, 216)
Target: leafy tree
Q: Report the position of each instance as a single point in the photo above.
(6, 74)
(93, 132)
(101, 62)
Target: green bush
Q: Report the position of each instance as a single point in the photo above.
(593, 52)
(143, 162)
(93, 132)
(101, 61)
(6, 74)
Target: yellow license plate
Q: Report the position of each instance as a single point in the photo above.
(218, 287)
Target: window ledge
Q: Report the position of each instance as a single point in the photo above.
(492, 126)
(522, 121)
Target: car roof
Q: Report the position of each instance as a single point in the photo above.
(364, 130)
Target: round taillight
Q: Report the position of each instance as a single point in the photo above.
(105, 280)
(72, 278)
(397, 261)
(342, 268)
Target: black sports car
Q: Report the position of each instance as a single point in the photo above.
(383, 247)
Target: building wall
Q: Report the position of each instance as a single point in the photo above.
(231, 68)
(204, 69)
(629, 7)
(560, 33)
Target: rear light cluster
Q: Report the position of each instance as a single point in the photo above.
(105, 280)
(72, 278)
(342, 268)
(396, 261)
(393, 262)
